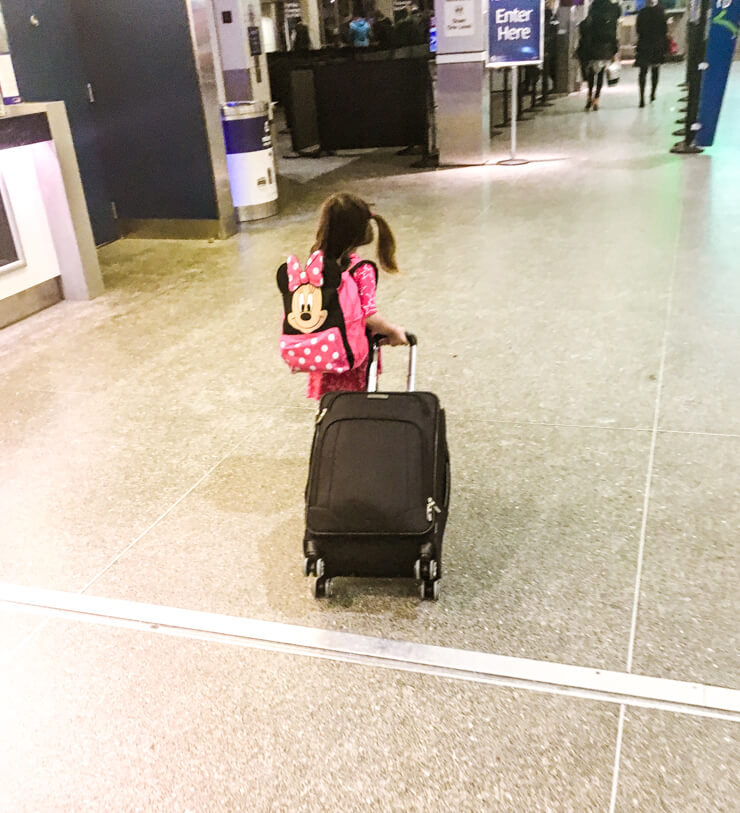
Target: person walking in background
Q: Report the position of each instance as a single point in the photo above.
(383, 31)
(359, 30)
(598, 45)
(652, 44)
(552, 26)
(406, 31)
(344, 33)
(301, 40)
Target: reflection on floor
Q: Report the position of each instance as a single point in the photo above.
(578, 316)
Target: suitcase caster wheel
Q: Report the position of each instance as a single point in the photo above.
(322, 588)
(318, 568)
(307, 566)
(425, 569)
(429, 591)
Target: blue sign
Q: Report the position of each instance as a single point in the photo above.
(515, 32)
(720, 48)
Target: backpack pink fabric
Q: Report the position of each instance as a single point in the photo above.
(323, 320)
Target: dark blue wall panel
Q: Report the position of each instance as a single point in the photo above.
(146, 123)
(49, 68)
(155, 147)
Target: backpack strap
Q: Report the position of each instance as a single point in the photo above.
(351, 270)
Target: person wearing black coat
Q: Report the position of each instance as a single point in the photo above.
(383, 31)
(652, 44)
(301, 40)
(598, 46)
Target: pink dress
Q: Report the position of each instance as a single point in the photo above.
(355, 379)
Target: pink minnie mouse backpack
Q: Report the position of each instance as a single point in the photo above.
(323, 321)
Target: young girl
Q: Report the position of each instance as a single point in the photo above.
(344, 226)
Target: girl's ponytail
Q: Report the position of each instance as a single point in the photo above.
(386, 245)
(344, 225)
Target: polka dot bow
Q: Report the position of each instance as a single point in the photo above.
(312, 274)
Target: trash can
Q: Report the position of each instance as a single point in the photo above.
(250, 159)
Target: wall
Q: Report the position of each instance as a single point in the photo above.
(139, 57)
(142, 141)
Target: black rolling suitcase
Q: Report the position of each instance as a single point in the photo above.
(378, 486)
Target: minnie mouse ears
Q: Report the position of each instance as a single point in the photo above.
(291, 274)
(312, 274)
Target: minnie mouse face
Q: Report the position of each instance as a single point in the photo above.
(309, 294)
(306, 313)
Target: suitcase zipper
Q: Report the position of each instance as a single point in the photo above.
(432, 509)
(320, 416)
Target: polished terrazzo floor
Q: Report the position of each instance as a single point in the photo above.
(579, 318)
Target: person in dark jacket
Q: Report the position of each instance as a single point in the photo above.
(598, 45)
(552, 25)
(383, 31)
(406, 30)
(652, 44)
(301, 40)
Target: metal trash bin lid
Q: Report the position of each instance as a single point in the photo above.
(244, 110)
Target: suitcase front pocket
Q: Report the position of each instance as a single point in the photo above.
(372, 476)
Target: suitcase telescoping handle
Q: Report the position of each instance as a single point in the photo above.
(372, 377)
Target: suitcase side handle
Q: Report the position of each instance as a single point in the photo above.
(372, 377)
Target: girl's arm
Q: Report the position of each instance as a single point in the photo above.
(394, 334)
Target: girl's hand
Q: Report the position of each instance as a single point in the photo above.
(395, 336)
(392, 334)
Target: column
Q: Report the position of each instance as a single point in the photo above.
(463, 99)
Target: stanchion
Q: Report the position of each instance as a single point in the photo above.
(513, 161)
(505, 120)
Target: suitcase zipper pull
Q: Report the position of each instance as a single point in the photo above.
(320, 416)
(432, 508)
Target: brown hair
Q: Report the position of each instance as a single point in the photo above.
(344, 225)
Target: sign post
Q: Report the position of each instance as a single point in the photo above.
(515, 38)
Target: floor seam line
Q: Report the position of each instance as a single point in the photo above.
(472, 419)
(699, 434)
(659, 431)
(651, 459)
(571, 680)
(159, 519)
(31, 635)
(617, 760)
(646, 506)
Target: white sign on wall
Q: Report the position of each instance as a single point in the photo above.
(459, 19)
